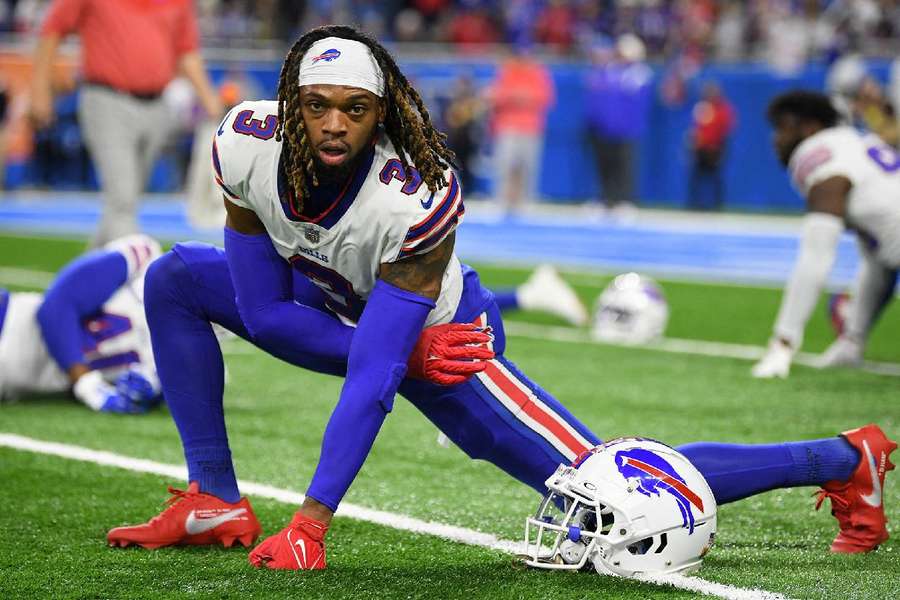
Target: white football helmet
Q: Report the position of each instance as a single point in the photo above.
(631, 310)
(627, 507)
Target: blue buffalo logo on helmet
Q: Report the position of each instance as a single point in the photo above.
(653, 474)
(327, 56)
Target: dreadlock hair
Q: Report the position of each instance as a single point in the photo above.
(805, 106)
(407, 122)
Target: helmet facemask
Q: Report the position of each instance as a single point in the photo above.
(564, 531)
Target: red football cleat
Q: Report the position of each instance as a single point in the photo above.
(857, 503)
(192, 519)
(299, 546)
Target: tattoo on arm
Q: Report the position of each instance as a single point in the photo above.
(422, 273)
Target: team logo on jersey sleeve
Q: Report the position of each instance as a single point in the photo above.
(654, 474)
(327, 56)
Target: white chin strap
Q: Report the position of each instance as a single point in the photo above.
(336, 61)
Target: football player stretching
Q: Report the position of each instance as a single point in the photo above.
(86, 334)
(345, 180)
(851, 180)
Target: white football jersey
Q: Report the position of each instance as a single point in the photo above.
(873, 168)
(114, 338)
(383, 214)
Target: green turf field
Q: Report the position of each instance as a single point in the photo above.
(58, 510)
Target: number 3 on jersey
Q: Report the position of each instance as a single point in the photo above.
(393, 169)
(245, 124)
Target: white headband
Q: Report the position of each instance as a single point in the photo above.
(337, 61)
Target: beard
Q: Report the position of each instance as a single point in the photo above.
(335, 174)
(328, 175)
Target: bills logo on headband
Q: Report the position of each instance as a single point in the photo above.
(653, 474)
(327, 56)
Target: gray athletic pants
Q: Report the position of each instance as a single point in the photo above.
(517, 153)
(124, 135)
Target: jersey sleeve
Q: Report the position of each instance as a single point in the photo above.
(233, 151)
(139, 251)
(822, 157)
(434, 216)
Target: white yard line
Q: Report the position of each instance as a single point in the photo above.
(360, 513)
(681, 346)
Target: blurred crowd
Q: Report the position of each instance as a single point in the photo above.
(787, 32)
(502, 123)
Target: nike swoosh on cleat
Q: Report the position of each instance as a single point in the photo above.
(302, 543)
(873, 499)
(194, 525)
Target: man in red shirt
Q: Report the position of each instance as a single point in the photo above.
(713, 122)
(130, 51)
(520, 97)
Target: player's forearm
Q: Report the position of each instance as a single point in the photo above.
(387, 331)
(79, 291)
(264, 288)
(818, 247)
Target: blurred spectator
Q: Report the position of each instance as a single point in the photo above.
(519, 17)
(473, 26)
(409, 26)
(461, 121)
(520, 97)
(555, 25)
(729, 36)
(795, 33)
(431, 9)
(713, 122)
(130, 52)
(618, 106)
(785, 31)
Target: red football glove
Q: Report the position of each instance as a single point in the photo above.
(451, 353)
(299, 546)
